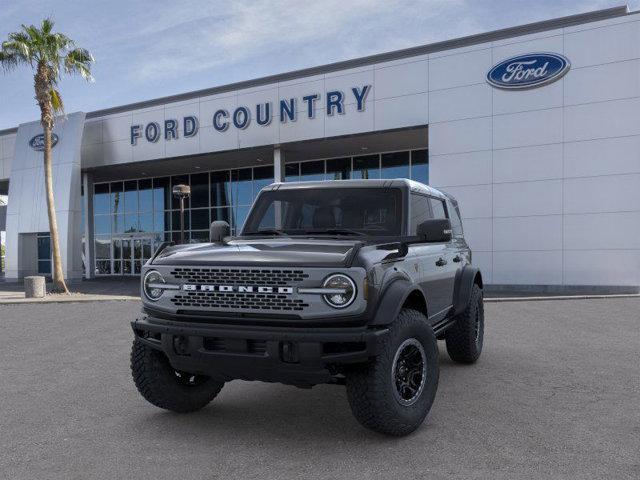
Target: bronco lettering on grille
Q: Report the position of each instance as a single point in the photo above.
(237, 288)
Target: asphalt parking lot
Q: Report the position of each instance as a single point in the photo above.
(555, 395)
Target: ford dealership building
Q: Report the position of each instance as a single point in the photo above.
(535, 129)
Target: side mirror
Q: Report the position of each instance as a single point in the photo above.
(436, 230)
(219, 229)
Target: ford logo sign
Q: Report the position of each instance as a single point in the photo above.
(528, 71)
(37, 142)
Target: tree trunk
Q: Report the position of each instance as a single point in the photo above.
(59, 285)
(42, 85)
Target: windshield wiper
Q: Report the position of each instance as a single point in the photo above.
(266, 231)
(333, 231)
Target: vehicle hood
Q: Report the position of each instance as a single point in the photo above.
(263, 252)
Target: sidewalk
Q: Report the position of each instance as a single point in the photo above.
(128, 288)
(94, 290)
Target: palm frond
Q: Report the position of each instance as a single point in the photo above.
(8, 60)
(47, 25)
(56, 101)
(35, 35)
(79, 60)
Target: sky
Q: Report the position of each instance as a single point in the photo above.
(149, 49)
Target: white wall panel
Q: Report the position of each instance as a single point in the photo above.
(527, 268)
(255, 135)
(540, 162)
(302, 129)
(460, 169)
(92, 133)
(300, 88)
(595, 231)
(546, 42)
(602, 267)
(92, 155)
(352, 121)
(510, 101)
(117, 152)
(345, 82)
(474, 200)
(212, 104)
(527, 128)
(460, 136)
(542, 232)
(145, 150)
(460, 103)
(408, 111)
(479, 234)
(458, 70)
(484, 261)
(117, 127)
(8, 146)
(603, 45)
(527, 198)
(602, 157)
(612, 193)
(601, 120)
(181, 145)
(599, 83)
(400, 80)
(213, 140)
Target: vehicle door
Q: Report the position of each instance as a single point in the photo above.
(449, 259)
(431, 275)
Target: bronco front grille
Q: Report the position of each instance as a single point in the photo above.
(238, 276)
(238, 301)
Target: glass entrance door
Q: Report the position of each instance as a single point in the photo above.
(130, 252)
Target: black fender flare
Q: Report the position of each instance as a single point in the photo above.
(392, 299)
(465, 278)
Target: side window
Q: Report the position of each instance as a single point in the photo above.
(438, 208)
(420, 211)
(456, 222)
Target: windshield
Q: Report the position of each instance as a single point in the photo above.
(327, 211)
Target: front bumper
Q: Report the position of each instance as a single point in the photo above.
(300, 356)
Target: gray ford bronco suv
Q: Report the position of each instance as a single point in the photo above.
(345, 282)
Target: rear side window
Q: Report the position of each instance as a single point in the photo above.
(420, 211)
(438, 208)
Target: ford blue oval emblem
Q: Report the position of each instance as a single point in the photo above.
(37, 142)
(528, 71)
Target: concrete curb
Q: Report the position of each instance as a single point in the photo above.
(74, 298)
(558, 297)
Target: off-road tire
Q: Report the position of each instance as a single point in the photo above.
(370, 387)
(464, 342)
(160, 384)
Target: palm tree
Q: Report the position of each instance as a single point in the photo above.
(47, 53)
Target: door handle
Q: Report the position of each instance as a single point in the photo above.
(441, 262)
(457, 259)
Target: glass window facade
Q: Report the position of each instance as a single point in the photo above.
(412, 164)
(132, 217)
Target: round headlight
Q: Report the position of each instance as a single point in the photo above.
(150, 285)
(344, 291)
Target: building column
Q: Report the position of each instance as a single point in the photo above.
(278, 165)
(87, 186)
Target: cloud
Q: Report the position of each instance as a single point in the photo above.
(149, 49)
(247, 30)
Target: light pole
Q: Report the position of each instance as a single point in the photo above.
(181, 192)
